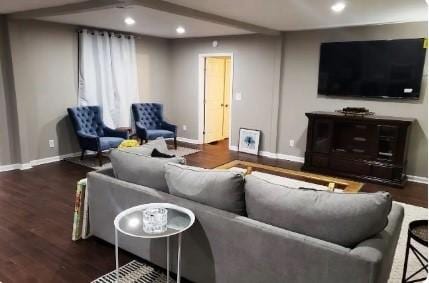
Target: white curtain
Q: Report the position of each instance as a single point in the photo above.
(108, 75)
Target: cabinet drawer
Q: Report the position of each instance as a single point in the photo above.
(319, 161)
(382, 172)
(350, 166)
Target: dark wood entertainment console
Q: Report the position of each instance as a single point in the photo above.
(372, 148)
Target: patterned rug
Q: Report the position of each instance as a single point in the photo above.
(91, 161)
(135, 272)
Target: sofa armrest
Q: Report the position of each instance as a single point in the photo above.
(379, 250)
(108, 132)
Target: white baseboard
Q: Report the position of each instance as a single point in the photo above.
(417, 179)
(188, 140)
(4, 168)
(274, 155)
(32, 163)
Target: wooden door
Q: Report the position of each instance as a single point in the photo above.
(214, 99)
(227, 98)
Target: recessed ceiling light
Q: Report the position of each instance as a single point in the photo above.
(338, 7)
(129, 21)
(180, 30)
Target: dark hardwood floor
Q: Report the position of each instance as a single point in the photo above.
(36, 212)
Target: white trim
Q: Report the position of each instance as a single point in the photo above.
(274, 155)
(188, 140)
(294, 158)
(32, 163)
(201, 60)
(4, 168)
(417, 179)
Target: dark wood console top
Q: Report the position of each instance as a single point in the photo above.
(360, 117)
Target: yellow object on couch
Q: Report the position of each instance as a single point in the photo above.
(129, 143)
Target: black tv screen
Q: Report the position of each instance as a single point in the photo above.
(379, 69)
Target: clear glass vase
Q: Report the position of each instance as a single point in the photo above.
(155, 220)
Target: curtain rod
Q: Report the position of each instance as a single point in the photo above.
(109, 32)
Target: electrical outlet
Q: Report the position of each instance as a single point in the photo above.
(185, 128)
(238, 96)
(51, 143)
(291, 143)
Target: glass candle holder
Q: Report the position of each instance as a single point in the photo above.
(155, 220)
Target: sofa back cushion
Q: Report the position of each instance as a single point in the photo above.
(221, 189)
(140, 169)
(342, 218)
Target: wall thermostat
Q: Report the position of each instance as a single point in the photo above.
(214, 43)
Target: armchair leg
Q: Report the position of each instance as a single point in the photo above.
(141, 141)
(82, 155)
(175, 143)
(100, 158)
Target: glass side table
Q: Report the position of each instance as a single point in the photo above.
(130, 223)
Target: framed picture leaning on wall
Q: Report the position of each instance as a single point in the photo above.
(248, 141)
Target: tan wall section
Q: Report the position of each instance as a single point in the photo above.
(44, 58)
(254, 68)
(45, 67)
(299, 89)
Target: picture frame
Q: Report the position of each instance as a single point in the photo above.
(248, 140)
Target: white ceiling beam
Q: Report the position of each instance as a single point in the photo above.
(93, 5)
(72, 8)
(208, 17)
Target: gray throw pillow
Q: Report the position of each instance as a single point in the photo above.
(221, 189)
(342, 218)
(140, 169)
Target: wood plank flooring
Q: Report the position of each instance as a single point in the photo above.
(36, 211)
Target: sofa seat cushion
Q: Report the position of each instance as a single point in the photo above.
(342, 218)
(153, 134)
(110, 142)
(221, 189)
(140, 169)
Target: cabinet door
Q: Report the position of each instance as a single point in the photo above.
(322, 136)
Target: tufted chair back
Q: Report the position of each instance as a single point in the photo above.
(87, 120)
(148, 114)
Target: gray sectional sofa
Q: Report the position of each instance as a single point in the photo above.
(223, 246)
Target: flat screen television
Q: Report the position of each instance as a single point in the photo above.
(376, 69)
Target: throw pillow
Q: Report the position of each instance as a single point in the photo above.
(221, 189)
(342, 218)
(140, 169)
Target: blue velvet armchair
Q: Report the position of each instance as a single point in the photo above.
(150, 123)
(91, 131)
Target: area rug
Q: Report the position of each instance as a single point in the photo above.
(91, 161)
(135, 272)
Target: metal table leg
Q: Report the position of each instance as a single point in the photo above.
(116, 255)
(168, 259)
(179, 248)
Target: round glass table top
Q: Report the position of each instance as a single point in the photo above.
(130, 221)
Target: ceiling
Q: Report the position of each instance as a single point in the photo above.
(148, 21)
(310, 14)
(11, 6)
(284, 15)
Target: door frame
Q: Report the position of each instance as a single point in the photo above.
(201, 90)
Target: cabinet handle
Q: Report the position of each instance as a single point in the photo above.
(221, 105)
(226, 105)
